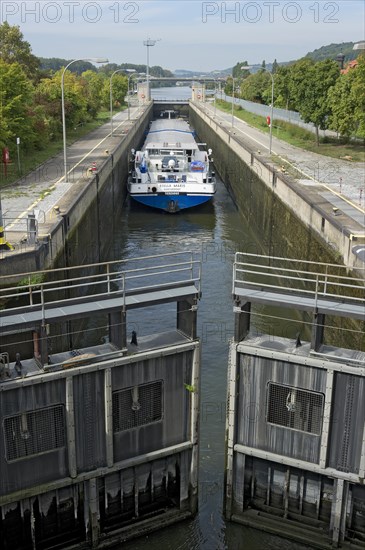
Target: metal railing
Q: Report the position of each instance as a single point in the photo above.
(170, 100)
(292, 117)
(24, 228)
(283, 275)
(64, 286)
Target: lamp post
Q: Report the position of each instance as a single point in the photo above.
(133, 72)
(111, 98)
(93, 60)
(272, 109)
(247, 68)
(139, 75)
(215, 96)
(233, 86)
(148, 43)
(215, 93)
(243, 68)
(111, 94)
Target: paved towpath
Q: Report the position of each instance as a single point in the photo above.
(40, 191)
(343, 178)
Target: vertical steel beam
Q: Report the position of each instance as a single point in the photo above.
(108, 417)
(194, 428)
(94, 513)
(326, 419)
(362, 456)
(70, 423)
(230, 427)
(242, 321)
(336, 513)
(317, 331)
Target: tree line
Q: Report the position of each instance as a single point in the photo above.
(318, 91)
(30, 92)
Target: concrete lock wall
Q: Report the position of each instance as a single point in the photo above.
(90, 196)
(273, 202)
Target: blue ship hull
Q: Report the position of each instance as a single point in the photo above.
(171, 203)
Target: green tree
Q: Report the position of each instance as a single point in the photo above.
(227, 86)
(54, 64)
(48, 101)
(299, 79)
(254, 87)
(237, 71)
(119, 90)
(14, 49)
(93, 84)
(283, 87)
(311, 94)
(48, 95)
(238, 74)
(16, 94)
(347, 102)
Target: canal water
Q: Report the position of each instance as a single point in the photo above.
(214, 232)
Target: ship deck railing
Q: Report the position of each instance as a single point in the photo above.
(299, 284)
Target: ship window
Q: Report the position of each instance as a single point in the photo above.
(34, 432)
(294, 408)
(170, 163)
(137, 406)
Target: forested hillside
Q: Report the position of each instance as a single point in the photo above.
(331, 51)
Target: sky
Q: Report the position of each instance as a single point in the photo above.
(191, 34)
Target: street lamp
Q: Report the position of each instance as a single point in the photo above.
(247, 68)
(134, 74)
(148, 43)
(111, 94)
(111, 98)
(132, 71)
(92, 60)
(215, 93)
(140, 75)
(243, 68)
(272, 108)
(233, 87)
(215, 89)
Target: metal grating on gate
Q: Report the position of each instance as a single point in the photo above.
(295, 408)
(137, 406)
(34, 432)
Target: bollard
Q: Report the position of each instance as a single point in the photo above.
(32, 228)
(4, 245)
